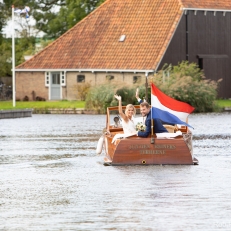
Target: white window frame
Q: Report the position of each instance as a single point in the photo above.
(47, 78)
(63, 78)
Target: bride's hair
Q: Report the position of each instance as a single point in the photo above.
(130, 106)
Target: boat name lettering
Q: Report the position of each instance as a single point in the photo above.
(143, 152)
(165, 146)
(139, 146)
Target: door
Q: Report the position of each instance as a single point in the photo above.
(55, 86)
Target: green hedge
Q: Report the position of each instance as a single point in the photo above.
(187, 83)
(102, 96)
(184, 82)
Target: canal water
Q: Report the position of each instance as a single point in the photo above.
(52, 179)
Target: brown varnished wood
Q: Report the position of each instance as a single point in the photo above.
(109, 147)
(116, 108)
(137, 150)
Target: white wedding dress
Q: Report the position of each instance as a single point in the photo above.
(128, 128)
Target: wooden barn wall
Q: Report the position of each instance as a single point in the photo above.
(208, 34)
(176, 51)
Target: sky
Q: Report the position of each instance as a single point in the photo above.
(7, 31)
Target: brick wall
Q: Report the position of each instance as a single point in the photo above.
(94, 79)
(26, 82)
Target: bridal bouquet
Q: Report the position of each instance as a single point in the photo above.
(140, 126)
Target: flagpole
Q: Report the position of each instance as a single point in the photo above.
(13, 58)
(146, 87)
(152, 141)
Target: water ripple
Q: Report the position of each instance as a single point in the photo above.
(51, 179)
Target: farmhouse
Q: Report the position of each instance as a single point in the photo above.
(129, 40)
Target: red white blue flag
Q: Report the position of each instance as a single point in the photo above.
(23, 11)
(168, 109)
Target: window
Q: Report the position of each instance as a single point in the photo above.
(109, 77)
(47, 79)
(80, 78)
(63, 78)
(122, 38)
(136, 79)
(55, 78)
(200, 63)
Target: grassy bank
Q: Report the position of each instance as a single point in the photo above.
(223, 103)
(8, 105)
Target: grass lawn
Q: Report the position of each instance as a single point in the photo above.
(224, 103)
(7, 105)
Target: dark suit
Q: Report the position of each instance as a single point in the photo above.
(158, 127)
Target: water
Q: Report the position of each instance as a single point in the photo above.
(51, 179)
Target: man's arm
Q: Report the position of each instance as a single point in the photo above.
(158, 128)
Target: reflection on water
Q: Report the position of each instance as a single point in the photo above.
(51, 179)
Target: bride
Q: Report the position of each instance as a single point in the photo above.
(128, 122)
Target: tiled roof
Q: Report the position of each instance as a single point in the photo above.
(94, 42)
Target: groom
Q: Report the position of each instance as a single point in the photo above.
(145, 110)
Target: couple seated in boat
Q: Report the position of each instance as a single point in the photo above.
(128, 121)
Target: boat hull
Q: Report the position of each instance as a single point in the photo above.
(140, 151)
(173, 148)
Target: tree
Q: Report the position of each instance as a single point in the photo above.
(53, 17)
(54, 25)
(5, 57)
(2, 20)
(22, 45)
(187, 83)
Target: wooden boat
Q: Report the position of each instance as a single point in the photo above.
(153, 150)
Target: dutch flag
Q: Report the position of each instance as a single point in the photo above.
(23, 11)
(168, 109)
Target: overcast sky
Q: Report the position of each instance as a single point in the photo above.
(7, 31)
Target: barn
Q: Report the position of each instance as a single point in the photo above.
(127, 41)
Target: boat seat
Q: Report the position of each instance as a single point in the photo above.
(171, 128)
(115, 129)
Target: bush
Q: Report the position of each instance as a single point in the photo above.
(83, 89)
(184, 82)
(187, 83)
(26, 98)
(100, 97)
(128, 95)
